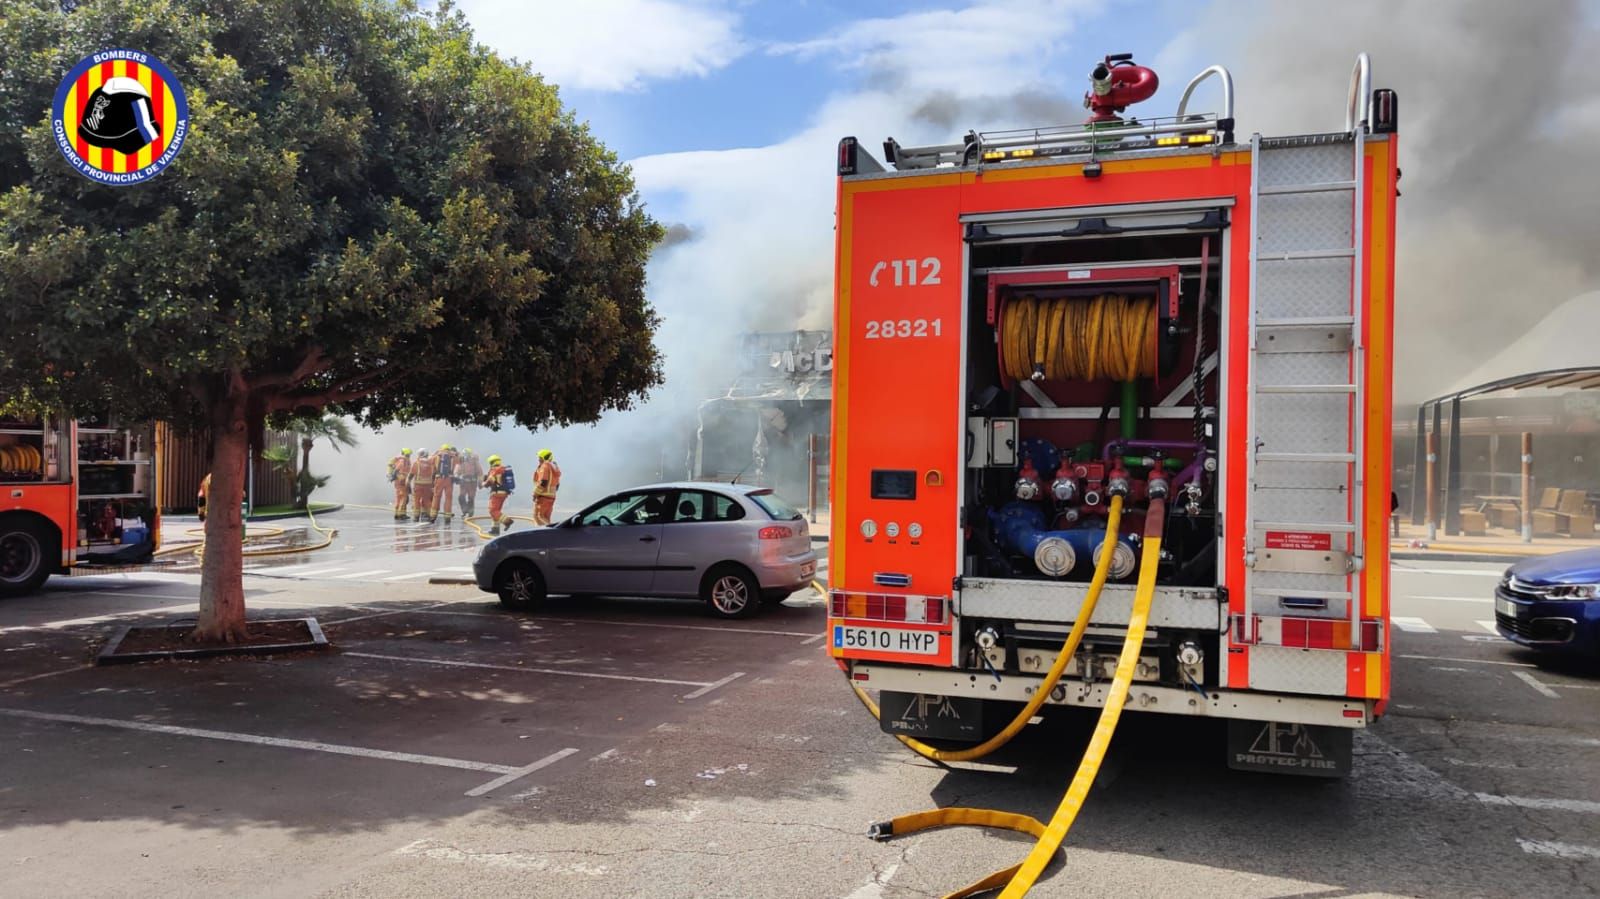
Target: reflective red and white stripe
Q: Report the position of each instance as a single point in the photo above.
(1306, 633)
(889, 607)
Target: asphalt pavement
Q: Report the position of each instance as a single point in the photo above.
(641, 748)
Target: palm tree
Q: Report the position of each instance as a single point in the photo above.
(311, 428)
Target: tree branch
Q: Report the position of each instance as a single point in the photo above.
(343, 391)
(314, 362)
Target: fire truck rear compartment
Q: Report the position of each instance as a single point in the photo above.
(1087, 298)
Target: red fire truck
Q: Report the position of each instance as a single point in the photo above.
(1033, 326)
(75, 493)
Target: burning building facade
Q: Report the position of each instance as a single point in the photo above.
(770, 425)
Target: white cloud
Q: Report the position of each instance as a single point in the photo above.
(760, 254)
(990, 45)
(610, 45)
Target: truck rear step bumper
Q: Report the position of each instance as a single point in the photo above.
(1226, 704)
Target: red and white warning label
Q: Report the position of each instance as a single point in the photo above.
(1299, 540)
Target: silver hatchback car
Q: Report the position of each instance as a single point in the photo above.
(732, 545)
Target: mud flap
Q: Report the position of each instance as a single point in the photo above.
(1307, 750)
(925, 716)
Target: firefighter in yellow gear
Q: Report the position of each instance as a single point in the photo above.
(469, 478)
(423, 472)
(546, 481)
(400, 477)
(444, 490)
(501, 482)
(205, 493)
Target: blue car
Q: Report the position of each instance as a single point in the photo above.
(1552, 603)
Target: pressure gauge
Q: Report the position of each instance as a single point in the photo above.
(869, 528)
(892, 529)
(915, 531)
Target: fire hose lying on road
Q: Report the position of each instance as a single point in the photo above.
(1019, 878)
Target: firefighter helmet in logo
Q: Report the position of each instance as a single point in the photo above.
(120, 117)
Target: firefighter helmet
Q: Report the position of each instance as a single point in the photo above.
(494, 459)
(118, 116)
(405, 451)
(545, 454)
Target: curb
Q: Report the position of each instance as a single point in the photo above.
(1424, 556)
(280, 516)
(459, 581)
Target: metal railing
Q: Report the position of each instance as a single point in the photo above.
(1066, 139)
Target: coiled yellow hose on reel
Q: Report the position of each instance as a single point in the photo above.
(1079, 338)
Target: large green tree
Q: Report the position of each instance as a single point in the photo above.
(372, 211)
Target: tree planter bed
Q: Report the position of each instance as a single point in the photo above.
(138, 643)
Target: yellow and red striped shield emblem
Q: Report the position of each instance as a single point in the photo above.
(120, 117)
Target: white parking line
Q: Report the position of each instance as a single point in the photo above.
(813, 638)
(1488, 626)
(361, 574)
(1412, 625)
(1544, 739)
(1580, 806)
(555, 671)
(675, 627)
(520, 773)
(307, 572)
(1468, 661)
(1537, 685)
(327, 624)
(712, 686)
(1481, 600)
(257, 739)
(129, 592)
(1477, 572)
(16, 681)
(412, 575)
(96, 619)
(1559, 850)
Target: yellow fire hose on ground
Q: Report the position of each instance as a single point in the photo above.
(473, 521)
(264, 531)
(1019, 878)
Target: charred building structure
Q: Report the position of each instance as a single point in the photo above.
(770, 425)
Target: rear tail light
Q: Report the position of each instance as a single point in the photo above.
(884, 607)
(776, 532)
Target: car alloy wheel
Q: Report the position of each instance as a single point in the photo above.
(730, 595)
(520, 585)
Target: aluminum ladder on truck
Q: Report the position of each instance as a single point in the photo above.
(1303, 527)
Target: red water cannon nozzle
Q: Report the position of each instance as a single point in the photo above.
(1116, 84)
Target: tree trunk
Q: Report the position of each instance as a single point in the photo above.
(222, 569)
(302, 489)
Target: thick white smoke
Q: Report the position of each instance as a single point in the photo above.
(1498, 121)
(1498, 111)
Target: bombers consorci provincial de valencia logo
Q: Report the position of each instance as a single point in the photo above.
(119, 117)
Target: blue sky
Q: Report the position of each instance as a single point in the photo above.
(763, 94)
